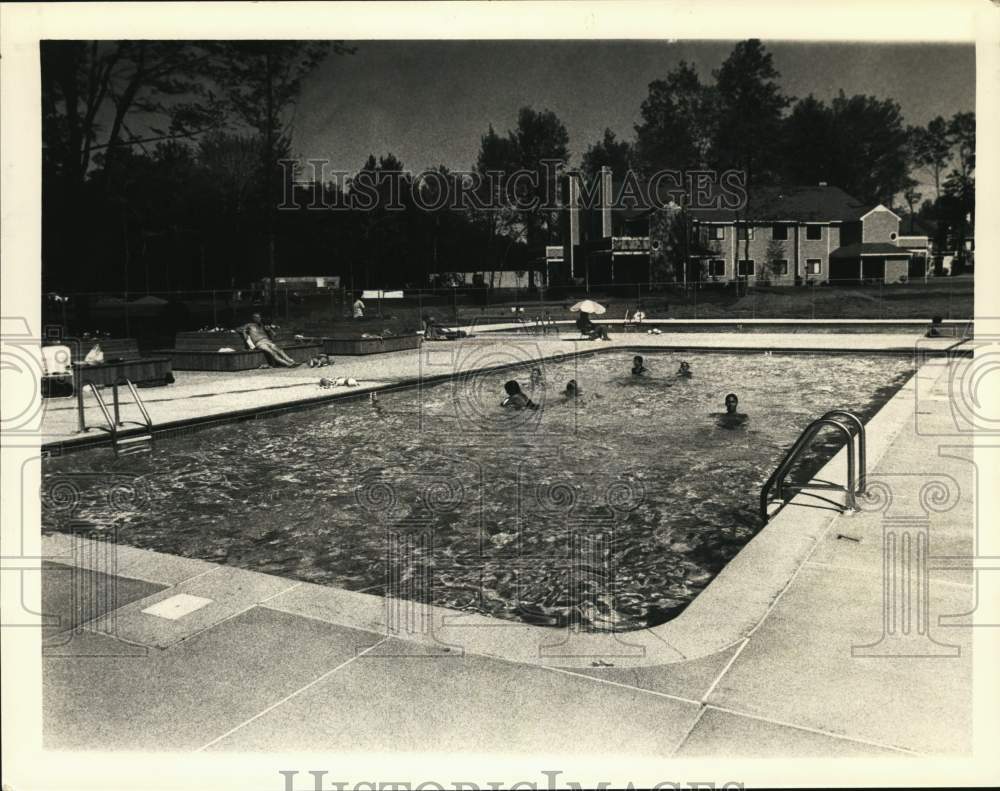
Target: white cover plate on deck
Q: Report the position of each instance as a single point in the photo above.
(177, 607)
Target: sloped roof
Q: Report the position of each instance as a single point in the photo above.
(799, 204)
(868, 248)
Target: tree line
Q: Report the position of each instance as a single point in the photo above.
(161, 166)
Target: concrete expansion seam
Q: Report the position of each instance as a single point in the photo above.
(894, 432)
(703, 703)
(90, 625)
(609, 682)
(818, 731)
(494, 658)
(687, 734)
(729, 664)
(236, 614)
(287, 698)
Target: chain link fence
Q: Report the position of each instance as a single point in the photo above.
(155, 317)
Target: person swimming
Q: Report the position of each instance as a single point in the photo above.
(515, 398)
(731, 419)
(572, 389)
(638, 368)
(684, 370)
(536, 377)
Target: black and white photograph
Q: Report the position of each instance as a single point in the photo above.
(500, 395)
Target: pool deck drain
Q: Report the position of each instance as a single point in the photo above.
(782, 658)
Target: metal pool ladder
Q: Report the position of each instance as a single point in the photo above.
(133, 443)
(843, 421)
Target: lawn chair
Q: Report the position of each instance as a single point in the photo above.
(633, 321)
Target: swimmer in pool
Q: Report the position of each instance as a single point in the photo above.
(572, 389)
(684, 370)
(638, 369)
(536, 377)
(731, 419)
(515, 398)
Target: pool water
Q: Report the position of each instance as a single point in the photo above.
(611, 511)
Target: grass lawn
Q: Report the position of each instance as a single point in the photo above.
(951, 298)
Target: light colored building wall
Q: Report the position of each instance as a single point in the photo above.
(881, 225)
(896, 269)
(816, 248)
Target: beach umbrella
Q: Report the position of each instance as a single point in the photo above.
(589, 306)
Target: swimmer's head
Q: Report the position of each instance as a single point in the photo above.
(536, 374)
(512, 388)
(731, 403)
(257, 318)
(637, 361)
(685, 366)
(572, 388)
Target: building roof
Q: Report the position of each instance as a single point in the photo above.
(868, 248)
(796, 204)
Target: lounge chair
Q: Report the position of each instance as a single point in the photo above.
(203, 351)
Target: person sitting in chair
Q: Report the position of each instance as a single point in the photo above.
(589, 329)
(934, 331)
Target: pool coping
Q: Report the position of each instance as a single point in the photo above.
(723, 614)
(99, 438)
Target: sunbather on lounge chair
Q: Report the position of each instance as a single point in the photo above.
(434, 332)
(258, 336)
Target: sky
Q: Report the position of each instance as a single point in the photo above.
(429, 102)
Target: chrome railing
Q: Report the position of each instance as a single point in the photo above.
(843, 421)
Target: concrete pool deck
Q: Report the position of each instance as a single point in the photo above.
(236, 660)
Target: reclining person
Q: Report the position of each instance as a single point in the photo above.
(258, 336)
(435, 332)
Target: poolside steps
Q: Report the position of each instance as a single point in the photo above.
(133, 444)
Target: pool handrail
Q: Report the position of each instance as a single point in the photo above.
(855, 421)
(810, 431)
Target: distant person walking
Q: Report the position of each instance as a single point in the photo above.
(359, 308)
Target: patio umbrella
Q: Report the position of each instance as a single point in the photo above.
(589, 306)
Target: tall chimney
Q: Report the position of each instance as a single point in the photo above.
(607, 198)
(571, 228)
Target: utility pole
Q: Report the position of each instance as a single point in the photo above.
(269, 173)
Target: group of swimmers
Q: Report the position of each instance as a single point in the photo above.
(516, 398)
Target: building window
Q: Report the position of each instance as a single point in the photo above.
(717, 232)
(780, 266)
(744, 232)
(779, 232)
(814, 232)
(746, 267)
(813, 266)
(717, 267)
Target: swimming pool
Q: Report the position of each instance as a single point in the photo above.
(612, 511)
